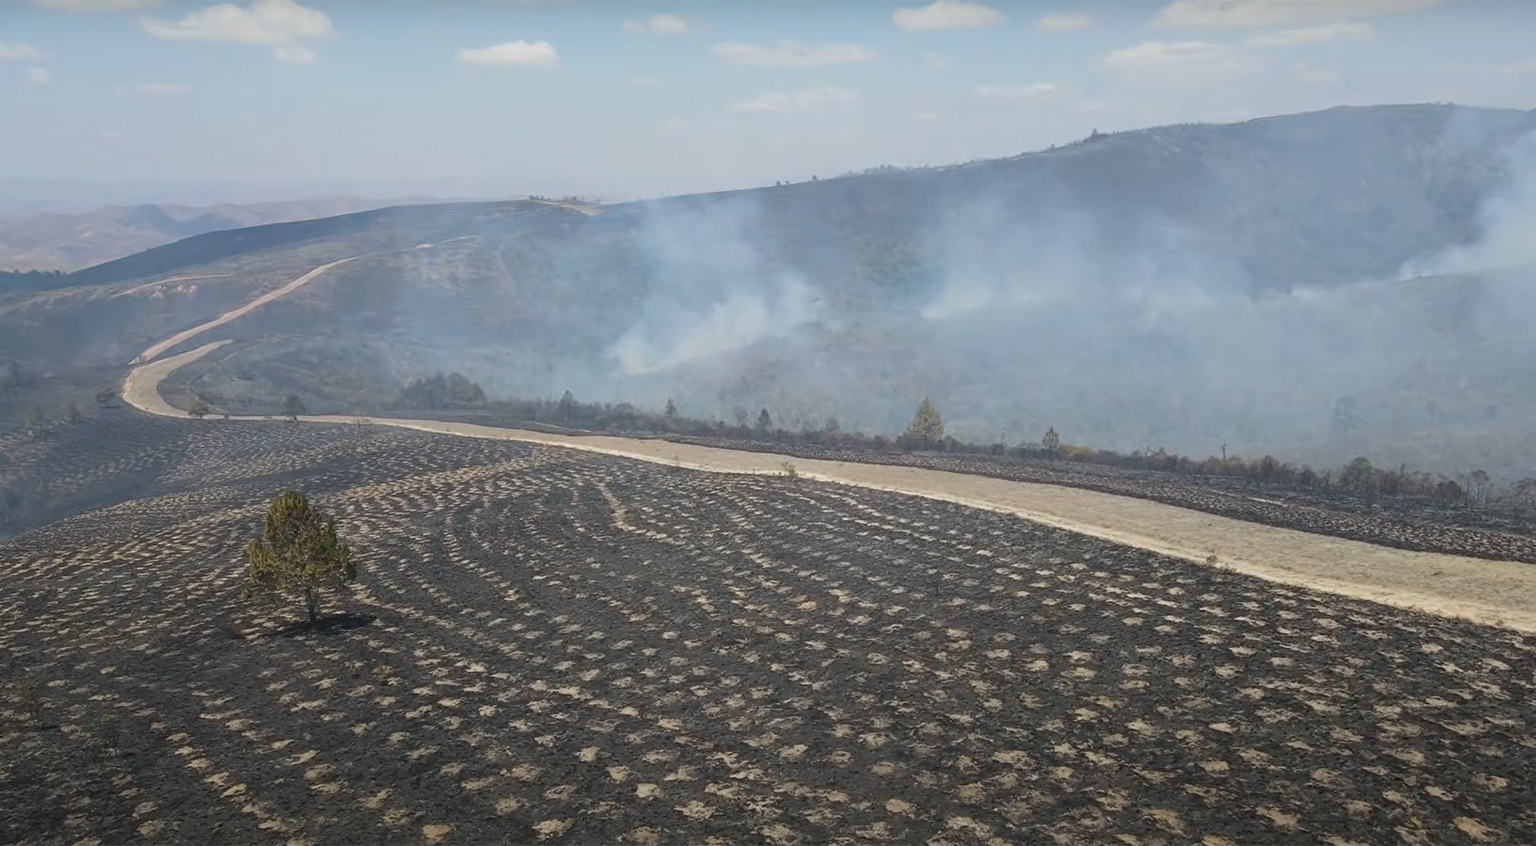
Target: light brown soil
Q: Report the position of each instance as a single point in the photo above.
(1489, 592)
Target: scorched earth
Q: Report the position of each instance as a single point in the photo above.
(549, 645)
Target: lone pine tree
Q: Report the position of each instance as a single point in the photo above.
(299, 554)
(927, 426)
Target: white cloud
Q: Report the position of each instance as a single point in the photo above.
(1191, 61)
(38, 76)
(945, 14)
(1342, 31)
(96, 5)
(660, 25)
(1244, 14)
(1033, 91)
(643, 81)
(20, 52)
(933, 61)
(791, 54)
(280, 24)
(814, 98)
(155, 89)
(527, 54)
(1063, 23)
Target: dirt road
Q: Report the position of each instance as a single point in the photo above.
(235, 314)
(1498, 593)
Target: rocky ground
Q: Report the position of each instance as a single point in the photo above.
(561, 647)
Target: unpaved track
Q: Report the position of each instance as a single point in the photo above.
(1501, 593)
(235, 314)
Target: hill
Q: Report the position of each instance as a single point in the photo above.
(68, 242)
(545, 645)
(1189, 287)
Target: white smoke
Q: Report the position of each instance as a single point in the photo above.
(1507, 222)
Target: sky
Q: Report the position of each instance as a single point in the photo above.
(629, 98)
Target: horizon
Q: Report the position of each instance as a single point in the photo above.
(275, 99)
(269, 193)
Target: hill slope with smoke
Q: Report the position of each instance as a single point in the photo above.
(1250, 284)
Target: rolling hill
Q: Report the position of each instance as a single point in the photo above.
(1188, 286)
(68, 242)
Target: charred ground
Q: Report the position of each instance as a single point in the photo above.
(554, 646)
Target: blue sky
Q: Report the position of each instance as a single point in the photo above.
(634, 98)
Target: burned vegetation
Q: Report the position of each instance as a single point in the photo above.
(559, 647)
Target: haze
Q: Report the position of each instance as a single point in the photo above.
(271, 100)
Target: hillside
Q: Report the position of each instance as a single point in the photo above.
(546, 645)
(70, 242)
(1189, 287)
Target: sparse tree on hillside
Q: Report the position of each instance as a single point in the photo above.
(298, 554)
(1449, 492)
(671, 411)
(743, 417)
(832, 427)
(106, 398)
(764, 422)
(567, 408)
(1479, 484)
(198, 408)
(35, 420)
(293, 406)
(927, 427)
(1052, 441)
(1359, 476)
(72, 413)
(443, 391)
(1525, 491)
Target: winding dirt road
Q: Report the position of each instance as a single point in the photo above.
(1499, 593)
(234, 314)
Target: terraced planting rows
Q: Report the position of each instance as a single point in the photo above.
(561, 647)
(1503, 539)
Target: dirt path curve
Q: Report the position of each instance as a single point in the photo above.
(1500, 593)
(235, 314)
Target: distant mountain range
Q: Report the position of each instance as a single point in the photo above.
(1186, 286)
(74, 241)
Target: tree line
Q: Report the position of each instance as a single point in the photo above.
(1360, 477)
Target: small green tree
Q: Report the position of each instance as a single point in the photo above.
(35, 420)
(293, 406)
(927, 427)
(1051, 441)
(198, 408)
(764, 422)
(671, 411)
(72, 413)
(1359, 476)
(299, 554)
